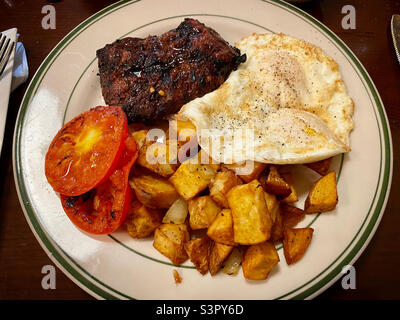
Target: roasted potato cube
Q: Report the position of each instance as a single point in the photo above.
(221, 184)
(154, 191)
(139, 131)
(321, 167)
(202, 212)
(198, 251)
(291, 215)
(218, 254)
(293, 194)
(251, 220)
(259, 260)
(191, 178)
(142, 221)
(273, 183)
(183, 130)
(140, 137)
(200, 158)
(203, 158)
(221, 230)
(295, 243)
(323, 195)
(252, 169)
(170, 239)
(160, 158)
(272, 205)
(188, 149)
(277, 227)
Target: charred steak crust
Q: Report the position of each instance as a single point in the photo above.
(153, 77)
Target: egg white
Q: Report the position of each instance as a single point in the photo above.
(286, 104)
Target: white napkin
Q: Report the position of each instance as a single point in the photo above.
(15, 73)
(20, 69)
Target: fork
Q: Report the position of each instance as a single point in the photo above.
(6, 46)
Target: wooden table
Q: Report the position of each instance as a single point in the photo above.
(22, 258)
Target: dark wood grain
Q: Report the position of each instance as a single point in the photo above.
(22, 258)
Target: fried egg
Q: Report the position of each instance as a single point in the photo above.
(286, 104)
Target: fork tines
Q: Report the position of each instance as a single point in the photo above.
(6, 46)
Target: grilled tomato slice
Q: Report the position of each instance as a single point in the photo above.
(86, 150)
(103, 209)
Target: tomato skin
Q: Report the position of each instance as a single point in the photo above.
(86, 150)
(113, 198)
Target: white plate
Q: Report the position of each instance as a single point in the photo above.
(119, 267)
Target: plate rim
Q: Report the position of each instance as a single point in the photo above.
(56, 253)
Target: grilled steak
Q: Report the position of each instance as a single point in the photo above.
(153, 77)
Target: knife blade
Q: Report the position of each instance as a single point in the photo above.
(395, 27)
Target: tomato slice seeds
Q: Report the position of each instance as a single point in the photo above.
(86, 150)
(103, 209)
